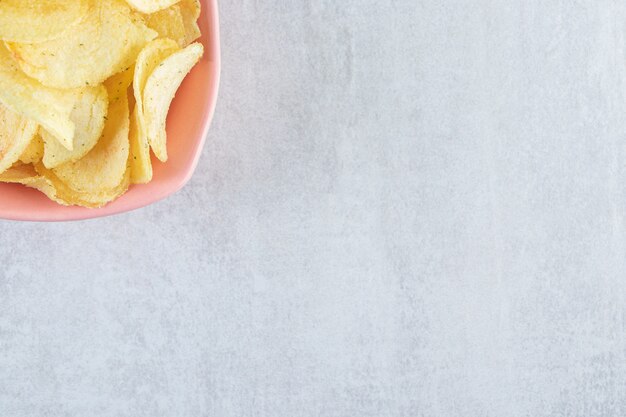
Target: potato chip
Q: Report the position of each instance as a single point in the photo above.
(168, 23)
(26, 174)
(178, 22)
(33, 152)
(151, 6)
(49, 107)
(117, 86)
(18, 173)
(31, 21)
(63, 194)
(149, 58)
(89, 115)
(16, 132)
(104, 167)
(105, 42)
(140, 162)
(159, 92)
(190, 10)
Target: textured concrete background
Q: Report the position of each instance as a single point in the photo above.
(406, 208)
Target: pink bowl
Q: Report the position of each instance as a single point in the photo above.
(187, 128)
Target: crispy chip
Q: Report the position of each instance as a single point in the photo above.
(178, 22)
(31, 21)
(151, 6)
(140, 162)
(89, 115)
(159, 92)
(149, 58)
(104, 167)
(168, 23)
(44, 180)
(63, 194)
(26, 174)
(118, 85)
(16, 132)
(34, 152)
(190, 10)
(49, 107)
(106, 42)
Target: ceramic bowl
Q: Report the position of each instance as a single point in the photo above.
(187, 127)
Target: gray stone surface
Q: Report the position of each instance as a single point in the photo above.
(405, 208)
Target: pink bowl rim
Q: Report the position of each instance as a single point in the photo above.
(77, 214)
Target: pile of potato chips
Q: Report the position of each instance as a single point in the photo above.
(85, 88)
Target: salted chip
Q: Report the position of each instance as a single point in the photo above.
(168, 23)
(17, 173)
(63, 194)
(151, 6)
(159, 92)
(16, 132)
(105, 42)
(148, 60)
(190, 10)
(33, 152)
(178, 22)
(117, 86)
(150, 57)
(25, 174)
(140, 162)
(104, 167)
(46, 106)
(89, 116)
(31, 21)
(44, 180)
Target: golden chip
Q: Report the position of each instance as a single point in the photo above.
(16, 132)
(89, 115)
(178, 22)
(49, 107)
(26, 175)
(31, 21)
(159, 92)
(104, 167)
(151, 6)
(140, 162)
(106, 42)
(168, 23)
(190, 10)
(118, 85)
(34, 152)
(63, 194)
(149, 58)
